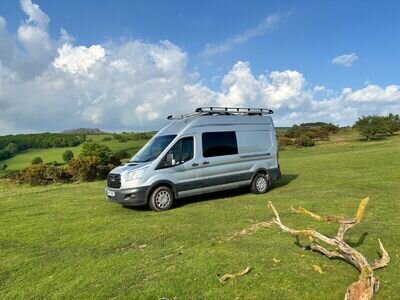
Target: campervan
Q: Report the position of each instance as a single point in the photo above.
(209, 150)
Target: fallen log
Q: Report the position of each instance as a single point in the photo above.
(367, 284)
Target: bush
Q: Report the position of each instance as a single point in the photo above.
(67, 155)
(102, 171)
(107, 139)
(370, 126)
(3, 167)
(304, 141)
(41, 174)
(284, 141)
(122, 154)
(37, 160)
(114, 161)
(101, 152)
(83, 168)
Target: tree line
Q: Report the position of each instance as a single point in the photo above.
(10, 145)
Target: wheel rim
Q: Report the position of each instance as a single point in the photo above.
(261, 184)
(163, 199)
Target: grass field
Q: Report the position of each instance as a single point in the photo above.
(66, 241)
(22, 160)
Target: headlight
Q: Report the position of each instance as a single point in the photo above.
(133, 175)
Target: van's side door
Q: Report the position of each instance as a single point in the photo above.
(220, 165)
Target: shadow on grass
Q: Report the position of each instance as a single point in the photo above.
(284, 180)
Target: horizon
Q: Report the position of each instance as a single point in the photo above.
(126, 66)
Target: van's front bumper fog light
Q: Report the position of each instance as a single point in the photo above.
(137, 174)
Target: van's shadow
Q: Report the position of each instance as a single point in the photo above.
(284, 180)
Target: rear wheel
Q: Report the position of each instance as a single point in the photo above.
(260, 184)
(161, 199)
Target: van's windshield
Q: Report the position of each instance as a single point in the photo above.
(153, 148)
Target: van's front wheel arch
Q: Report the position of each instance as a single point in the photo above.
(161, 198)
(261, 183)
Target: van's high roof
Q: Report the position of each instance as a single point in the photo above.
(218, 116)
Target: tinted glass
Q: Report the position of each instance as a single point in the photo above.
(179, 153)
(219, 143)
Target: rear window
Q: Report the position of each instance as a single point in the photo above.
(219, 143)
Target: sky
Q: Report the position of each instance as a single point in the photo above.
(126, 65)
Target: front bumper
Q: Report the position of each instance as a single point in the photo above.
(128, 197)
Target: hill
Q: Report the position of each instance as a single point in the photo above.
(66, 241)
(79, 131)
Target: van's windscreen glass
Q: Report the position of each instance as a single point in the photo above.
(219, 143)
(153, 148)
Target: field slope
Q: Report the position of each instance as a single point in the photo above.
(66, 241)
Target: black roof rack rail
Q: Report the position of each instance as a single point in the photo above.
(206, 111)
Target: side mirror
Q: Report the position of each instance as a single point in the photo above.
(170, 161)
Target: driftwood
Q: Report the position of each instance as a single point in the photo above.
(367, 283)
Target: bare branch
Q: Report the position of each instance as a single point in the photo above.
(305, 212)
(383, 260)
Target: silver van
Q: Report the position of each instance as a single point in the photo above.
(210, 150)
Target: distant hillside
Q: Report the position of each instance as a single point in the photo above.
(84, 131)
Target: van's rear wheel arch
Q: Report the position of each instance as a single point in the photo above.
(260, 182)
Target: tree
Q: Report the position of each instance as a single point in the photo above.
(392, 123)
(37, 160)
(12, 148)
(67, 156)
(101, 152)
(370, 126)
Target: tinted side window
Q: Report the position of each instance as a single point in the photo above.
(219, 143)
(181, 152)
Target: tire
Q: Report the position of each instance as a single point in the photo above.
(260, 184)
(161, 199)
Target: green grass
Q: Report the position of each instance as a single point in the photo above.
(23, 159)
(66, 241)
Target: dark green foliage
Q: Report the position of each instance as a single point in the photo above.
(122, 154)
(41, 174)
(107, 139)
(3, 167)
(114, 161)
(4, 154)
(392, 123)
(67, 155)
(99, 151)
(37, 160)
(370, 126)
(133, 136)
(304, 141)
(42, 140)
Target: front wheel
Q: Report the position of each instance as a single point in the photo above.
(161, 199)
(260, 184)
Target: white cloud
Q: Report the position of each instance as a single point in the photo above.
(78, 60)
(134, 85)
(267, 24)
(346, 60)
(35, 14)
(374, 93)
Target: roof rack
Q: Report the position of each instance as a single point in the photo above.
(206, 111)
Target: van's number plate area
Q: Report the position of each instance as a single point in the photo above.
(110, 193)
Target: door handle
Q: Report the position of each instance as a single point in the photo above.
(206, 162)
(195, 164)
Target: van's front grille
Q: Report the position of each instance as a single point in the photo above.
(114, 181)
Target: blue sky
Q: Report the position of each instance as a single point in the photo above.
(278, 54)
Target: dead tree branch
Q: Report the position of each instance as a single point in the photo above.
(367, 283)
